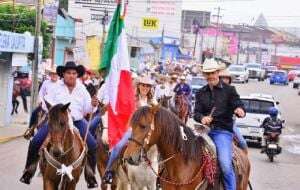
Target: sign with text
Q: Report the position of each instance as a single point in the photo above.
(150, 23)
(14, 42)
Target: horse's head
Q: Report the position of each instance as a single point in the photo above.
(144, 134)
(164, 101)
(59, 120)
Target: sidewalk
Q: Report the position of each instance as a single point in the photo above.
(16, 128)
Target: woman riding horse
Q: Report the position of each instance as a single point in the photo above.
(144, 96)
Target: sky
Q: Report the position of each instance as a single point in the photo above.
(279, 13)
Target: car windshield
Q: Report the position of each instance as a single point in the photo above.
(198, 81)
(256, 66)
(233, 68)
(257, 106)
(279, 73)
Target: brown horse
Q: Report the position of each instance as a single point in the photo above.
(63, 153)
(187, 160)
(182, 107)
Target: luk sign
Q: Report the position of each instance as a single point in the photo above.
(150, 23)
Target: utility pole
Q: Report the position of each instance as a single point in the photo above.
(35, 85)
(195, 43)
(217, 30)
(104, 23)
(14, 15)
(239, 43)
(162, 43)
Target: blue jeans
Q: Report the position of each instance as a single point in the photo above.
(118, 148)
(241, 141)
(34, 116)
(81, 125)
(223, 141)
(95, 124)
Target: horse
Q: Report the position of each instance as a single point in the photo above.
(182, 107)
(63, 152)
(164, 101)
(188, 159)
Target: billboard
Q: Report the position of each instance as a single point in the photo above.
(92, 13)
(150, 18)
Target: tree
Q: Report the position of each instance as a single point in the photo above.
(63, 4)
(24, 21)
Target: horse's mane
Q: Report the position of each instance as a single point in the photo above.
(168, 124)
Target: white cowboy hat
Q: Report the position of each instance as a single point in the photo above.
(210, 65)
(134, 75)
(145, 80)
(51, 69)
(224, 73)
(222, 66)
(182, 77)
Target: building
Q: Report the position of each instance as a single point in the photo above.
(14, 48)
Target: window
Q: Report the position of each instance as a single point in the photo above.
(257, 106)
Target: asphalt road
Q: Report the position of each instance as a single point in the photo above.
(283, 174)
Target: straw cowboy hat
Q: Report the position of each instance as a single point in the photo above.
(182, 77)
(145, 80)
(60, 70)
(210, 65)
(51, 70)
(224, 73)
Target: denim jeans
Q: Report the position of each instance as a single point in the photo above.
(118, 148)
(223, 141)
(81, 125)
(241, 141)
(95, 124)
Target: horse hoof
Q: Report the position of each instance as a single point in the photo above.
(92, 183)
(26, 178)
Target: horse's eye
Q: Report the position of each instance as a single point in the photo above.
(61, 123)
(143, 126)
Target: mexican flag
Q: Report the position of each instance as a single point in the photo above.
(119, 87)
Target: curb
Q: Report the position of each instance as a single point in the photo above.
(7, 139)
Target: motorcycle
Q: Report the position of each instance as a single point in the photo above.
(272, 145)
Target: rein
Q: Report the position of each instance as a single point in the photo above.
(149, 163)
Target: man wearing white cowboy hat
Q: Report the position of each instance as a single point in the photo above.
(182, 87)
(216, 103)
(68, 90)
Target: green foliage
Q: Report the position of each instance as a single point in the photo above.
(63, 4)
(24, 21)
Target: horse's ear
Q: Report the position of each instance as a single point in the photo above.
(168, 97)
(154, 108)
(66, 106)
(48, 105)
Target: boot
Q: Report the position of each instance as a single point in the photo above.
(31, 164)
(90, 168)
(108, 177)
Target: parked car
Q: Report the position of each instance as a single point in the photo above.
(196, 83)
(296, 81)
(257, 106)
(239, 73)
(292, 74)
(256, 71)
(279, 77)
(269, 70)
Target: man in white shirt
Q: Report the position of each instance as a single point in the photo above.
(47, 86)
(68, 90)
(162, 89)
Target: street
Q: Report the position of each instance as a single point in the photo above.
(283, 174)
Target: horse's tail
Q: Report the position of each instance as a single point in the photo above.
(250, 186)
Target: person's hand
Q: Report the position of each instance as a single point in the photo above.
(239, 112)
(206, 120)
(95, 101)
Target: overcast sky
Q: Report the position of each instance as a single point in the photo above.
(277, 12)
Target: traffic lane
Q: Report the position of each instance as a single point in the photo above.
(13, 157)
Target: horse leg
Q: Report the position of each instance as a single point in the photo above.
(17, 106)
(71, 186)
(48, 185)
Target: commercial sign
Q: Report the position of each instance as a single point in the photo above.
(150, 23)
(147, 19)
(92, 13)
(14, 42)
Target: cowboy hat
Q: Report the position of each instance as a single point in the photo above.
(224, 73)
(210, 65)
(51, 70)
(145, 80)
(60, 70)
(182, 77)
(222, 66)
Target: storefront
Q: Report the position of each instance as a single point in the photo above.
(13, 47)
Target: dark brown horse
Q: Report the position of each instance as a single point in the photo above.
(63, 153)
(187, 160)
(182, 107)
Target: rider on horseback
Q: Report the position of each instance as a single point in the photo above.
(182, 88)
(144, 97)
(69, 89)
(215, 105)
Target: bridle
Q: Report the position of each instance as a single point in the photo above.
(149, 163)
